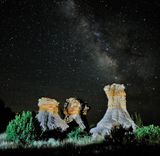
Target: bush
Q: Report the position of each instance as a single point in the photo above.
(78, 136)
(148, 134)
(120, 136)
(21, 129)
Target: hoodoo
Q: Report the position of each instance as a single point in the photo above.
(48, 115)
(75, 111)
(116, 113)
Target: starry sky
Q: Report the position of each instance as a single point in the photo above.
(65, 48)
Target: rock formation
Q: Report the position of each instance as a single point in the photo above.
(48, 115)
(116, 113)
(74, 110)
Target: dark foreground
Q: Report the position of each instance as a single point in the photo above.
(72, 150)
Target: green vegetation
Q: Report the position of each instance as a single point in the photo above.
(21, 129)
(78, 136)
(4, 144)
(148, 134)
(137, 119)
(45, 144)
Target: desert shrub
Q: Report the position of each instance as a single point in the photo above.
(148, 134)
(120, 136)
(137, 119)
(21, 129)
(78, 136)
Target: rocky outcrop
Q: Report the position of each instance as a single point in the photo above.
(48, 115)
(116, 113)
(75, 111)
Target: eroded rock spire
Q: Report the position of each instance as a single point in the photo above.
(116, 113)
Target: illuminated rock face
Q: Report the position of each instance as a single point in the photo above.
(48, 115)
(116, 113)
(74, 111)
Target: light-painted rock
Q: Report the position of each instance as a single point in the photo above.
(73, 111)
(116, 113)
(48, 115)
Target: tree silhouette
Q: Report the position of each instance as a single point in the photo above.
(6, 115)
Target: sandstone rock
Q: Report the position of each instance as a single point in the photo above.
(116, 113)
(48, 115)
(75, 111)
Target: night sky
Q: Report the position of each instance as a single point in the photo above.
(65, 48)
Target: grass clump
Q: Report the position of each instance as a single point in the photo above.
(148, 134)
(137, 119)
(79, 137)
(46, 144)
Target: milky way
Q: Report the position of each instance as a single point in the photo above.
(74, 48)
